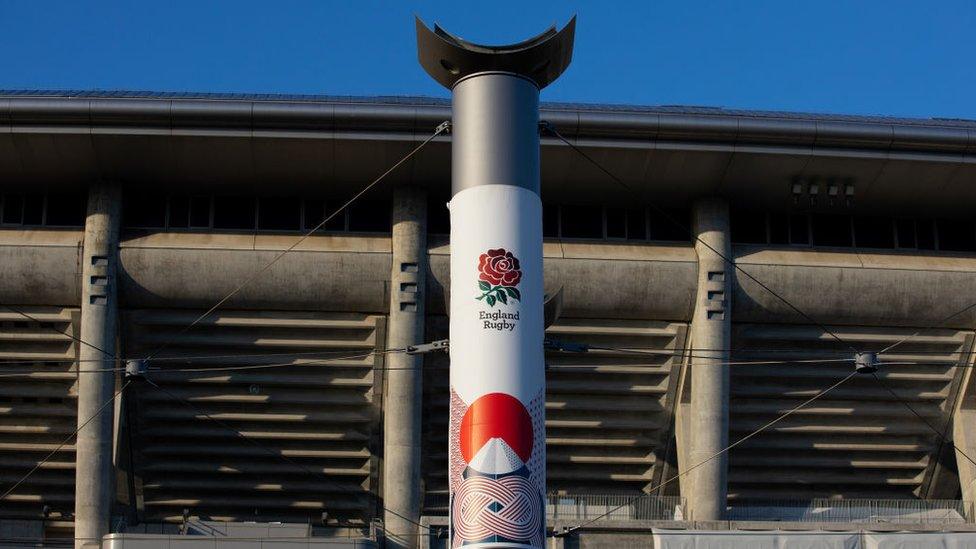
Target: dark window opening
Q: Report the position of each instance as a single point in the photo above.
(66, 210)
(233, 212)
(34, 209)
(925, 234)
(438, 216)
(316, 211)
(905, 228)
(279, 214)
(200, 212)
(636, 225)
(13, 209)
(550, 220)
(748, 227)
(145, 211)
(956, 235)
(873, 232)
(370, 216)
(832, 230)
(337, 221)
(616, 223)
(179, 212)
(582, 222)
(670, 225)
(779, 229)
(799, 230)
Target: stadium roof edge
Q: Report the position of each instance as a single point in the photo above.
(414, 114)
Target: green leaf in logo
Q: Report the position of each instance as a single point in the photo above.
(484, 285)
(501, 296)
(491, 300)
(514, 293)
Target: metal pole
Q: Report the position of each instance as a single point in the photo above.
(497, 428)
(94, 480)
(497, 442)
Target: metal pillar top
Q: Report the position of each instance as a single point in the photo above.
(448, 58)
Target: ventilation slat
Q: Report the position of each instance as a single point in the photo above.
(309, 422)
(38, 410)
(856, 441)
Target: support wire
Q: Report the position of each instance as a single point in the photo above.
(254, 276)
(713, 456)
(267, 449)
(64, 442)
(695, 237)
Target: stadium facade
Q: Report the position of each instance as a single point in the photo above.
(127, 217)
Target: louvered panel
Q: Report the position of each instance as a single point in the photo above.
(309, 424)
(38, 411)
(857, 441)
(607, 412)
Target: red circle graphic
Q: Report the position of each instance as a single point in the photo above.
(496, 415)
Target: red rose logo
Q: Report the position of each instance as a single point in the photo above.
(499, 273)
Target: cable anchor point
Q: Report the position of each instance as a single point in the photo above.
(439, 345)
(136, 368)
(866, 363)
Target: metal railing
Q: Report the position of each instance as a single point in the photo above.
(614, 507)
(896, 511)
(603, 507)
(627, 507)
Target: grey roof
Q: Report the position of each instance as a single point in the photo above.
(420, 101)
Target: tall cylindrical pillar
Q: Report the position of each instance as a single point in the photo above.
(497, 435)
(94, 479)
(497, 420)
(404, 379)
(711, 338)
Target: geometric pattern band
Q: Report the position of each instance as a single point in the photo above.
(464, 483)
(508, 507)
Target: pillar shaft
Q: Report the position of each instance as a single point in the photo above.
(497, 451)
(711, 339)
(496, 432)
(404, 381)
(99, 309)
(496, 132)
(964, 440)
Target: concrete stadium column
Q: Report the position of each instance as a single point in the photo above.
(404, 381)
(94, 478)
(710, 329)
(964, 439)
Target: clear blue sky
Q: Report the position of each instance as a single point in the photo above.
(861, 57)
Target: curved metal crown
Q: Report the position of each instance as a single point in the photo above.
(447, 58)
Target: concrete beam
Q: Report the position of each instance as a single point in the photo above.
(99, 313)
(193, 270)
(711, 328)
(40, 267)
(402, 494)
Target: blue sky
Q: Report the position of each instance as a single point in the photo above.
(860, 57)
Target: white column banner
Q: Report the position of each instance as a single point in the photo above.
(497, 424)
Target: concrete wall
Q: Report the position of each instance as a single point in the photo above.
(40, 267)
(600, 280)
(875, 289)
(615, 292)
